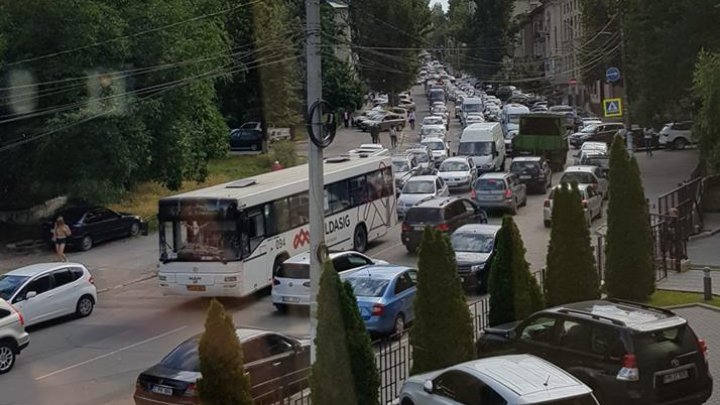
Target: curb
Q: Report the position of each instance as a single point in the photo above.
(694, 304)
(704, 234)
(128, 283)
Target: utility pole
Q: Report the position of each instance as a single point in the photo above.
(315, 163)
(623, 61)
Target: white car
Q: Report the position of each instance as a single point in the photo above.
(433, 131)
(676, 135)
(418, 189)
(291, 281)
(458, 172)
(591, 200)
(594, 176)
(433, 120)
(438, 148)
(45, 291)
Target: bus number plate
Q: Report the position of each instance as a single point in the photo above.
(196, 288)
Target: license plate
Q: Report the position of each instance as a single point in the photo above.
(525, 177)
(418, 227)
(159, 389)
(196, 288)
(291, 299)
(677, 376)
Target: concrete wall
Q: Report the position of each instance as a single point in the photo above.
(34, 214)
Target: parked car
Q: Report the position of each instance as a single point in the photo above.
(246, 140)
(272, 360)
(442, 213)
(13, 338)
(418, 189)
(45, 291)
(591, 201)
(458, 172)
(385, 122)
(474, 246)
(499, 190)
(628, 353)
(385, 296)
(501, 380)
(594, 176)
(596, 133)
(291, 281)
(676, 135)
(403, 168)
(533, 171)
(438, 149)
(92, 224)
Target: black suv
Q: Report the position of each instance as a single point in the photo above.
(445, 214)
(628, 353)
(533, 171)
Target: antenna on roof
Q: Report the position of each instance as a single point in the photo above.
(547, 380)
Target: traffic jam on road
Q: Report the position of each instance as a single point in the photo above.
(465, 155)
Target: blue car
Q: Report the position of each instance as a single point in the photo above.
(385, 295)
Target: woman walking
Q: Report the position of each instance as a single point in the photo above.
(60, 233)
(393, 137)
(411, 119)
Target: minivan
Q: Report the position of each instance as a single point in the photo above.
(485, 144)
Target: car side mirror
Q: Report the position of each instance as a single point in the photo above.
(30, 294)
(428, 386)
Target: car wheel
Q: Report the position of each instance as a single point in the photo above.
(399, 325)
(7, 356)
(282, 308)
(135, 229)
(679, 143)
(360, 239)
(86, 243)
(85, 306)
(547, 224)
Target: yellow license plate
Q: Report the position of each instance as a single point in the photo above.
(196, 288)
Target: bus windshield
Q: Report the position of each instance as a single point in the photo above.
(188, 239)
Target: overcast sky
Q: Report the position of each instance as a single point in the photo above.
(443, 3)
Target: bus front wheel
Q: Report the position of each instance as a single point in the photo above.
(360, 239)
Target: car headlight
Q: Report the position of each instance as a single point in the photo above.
(477, 267)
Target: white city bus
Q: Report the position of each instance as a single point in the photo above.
(227, 240)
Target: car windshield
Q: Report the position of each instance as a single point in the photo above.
(400, 167)
(472, 107)
(421, 157)
(432, 121)
(434, 145)
(454, 167)
(293, 270)
(367, 286)
(589, 128)
(9, 285)
(475, 148)
(578, 177)
(601, 161)
(419, 187)
(490, 185)
(432, 131)
(472, 242)
(184, 357)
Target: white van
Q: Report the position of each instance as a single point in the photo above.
(511, 117)
(484, 143)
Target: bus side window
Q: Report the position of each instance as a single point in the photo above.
(388, 182)
(358, 191)
(281, 212)
(256, 227)
(299, 209)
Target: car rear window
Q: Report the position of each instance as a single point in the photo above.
(490, 185)
(668, 342)
(524, 167)
(183, 357)
(293, 270)
(423, 215)
(578, 177)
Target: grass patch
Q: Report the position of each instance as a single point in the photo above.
(664, 298)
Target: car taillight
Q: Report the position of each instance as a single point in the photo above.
(547, 203)
(443, 227)
(91, 280)
(584, 203)
(20, 316)
(702, 346)
(406, 227)
(508, 193)
(378, 309)
(473, 194)
(629, 370)
(191, 390)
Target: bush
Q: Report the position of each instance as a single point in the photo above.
(514, 291)
(284, 152)
(629, 270)
(224, 381)
(442, 334)
(571, 275)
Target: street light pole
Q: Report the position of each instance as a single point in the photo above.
(623, 62)
(315, 163)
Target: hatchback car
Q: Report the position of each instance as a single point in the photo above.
(291, 281)
(90, 225)
(474, 246)
(442, 213)
(385, 296)
(246, 140)
(272, 360)
(45, 291)
(627, 353)
(533, 171)
(418, 189)
(499, 190)
(595, 176)
(459, 173)
(13, 338)
(502, 380)
(591, 201)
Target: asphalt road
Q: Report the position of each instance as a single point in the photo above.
(96, 360)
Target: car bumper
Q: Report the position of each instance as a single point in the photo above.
(458, 184)
(533, 182)
(638, 397)
(411, 238)
(290, 299)
(142, 397)
(379, 324)
(503, 204)
(194, 290)
(23, 343)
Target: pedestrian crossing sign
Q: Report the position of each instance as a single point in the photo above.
(612, 107)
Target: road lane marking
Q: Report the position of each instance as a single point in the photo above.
(114, 352)
(380, 252)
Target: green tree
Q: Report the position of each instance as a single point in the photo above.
(514, 291)
(442, 334)
(629, 268)
(571, 275)
(224, 381)
(491, 34)
(707, 121)
(331, 378)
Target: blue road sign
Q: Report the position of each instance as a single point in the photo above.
(612, 74)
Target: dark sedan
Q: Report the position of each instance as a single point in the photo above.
(246, 139)
(273, 362)
(90, 225)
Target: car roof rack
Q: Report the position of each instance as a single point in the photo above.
(593, 316)
(641, 305)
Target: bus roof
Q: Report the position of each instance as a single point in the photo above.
(269, 186)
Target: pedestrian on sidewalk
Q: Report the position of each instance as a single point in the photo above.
(411, 119)
(60, 233)
(648, 136)
(346, 118)
(375, 133)
(393, 137)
